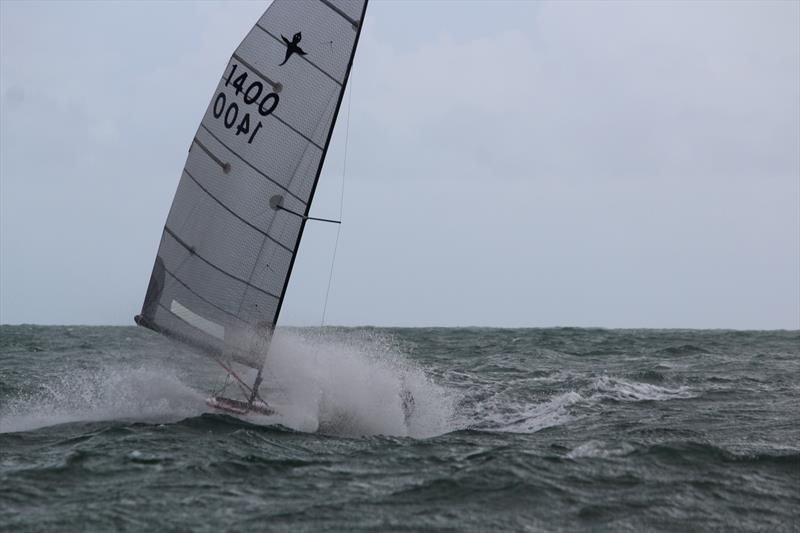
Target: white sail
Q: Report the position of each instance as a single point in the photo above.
(235, 225)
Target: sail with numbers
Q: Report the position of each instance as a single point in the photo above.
(233, 231)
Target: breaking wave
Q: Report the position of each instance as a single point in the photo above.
(499, 413)
(526, 417)
(624, 391)
(598, 448)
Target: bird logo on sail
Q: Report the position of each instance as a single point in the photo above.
(292, 47)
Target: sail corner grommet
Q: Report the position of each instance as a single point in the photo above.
(276, 201)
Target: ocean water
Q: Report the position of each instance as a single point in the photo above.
(106, 429)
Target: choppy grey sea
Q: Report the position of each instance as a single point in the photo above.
(106, 429)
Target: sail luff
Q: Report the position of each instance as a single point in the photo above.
(322, 159)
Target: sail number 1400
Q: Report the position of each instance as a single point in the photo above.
(229, 111)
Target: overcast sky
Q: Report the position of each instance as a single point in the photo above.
(605, 164)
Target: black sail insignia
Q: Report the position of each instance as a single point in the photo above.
(292, 47)
(226, 254)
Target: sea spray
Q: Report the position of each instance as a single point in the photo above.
(334, 383)
(112, 392)
(354, 384)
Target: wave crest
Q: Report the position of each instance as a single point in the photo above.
(609, 388)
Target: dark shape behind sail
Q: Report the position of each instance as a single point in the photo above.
(226, 254)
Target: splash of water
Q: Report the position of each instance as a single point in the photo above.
(348, 383)
(110, 393)
(354, 384)
(341, 384)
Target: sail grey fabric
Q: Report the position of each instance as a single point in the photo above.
(226, 253)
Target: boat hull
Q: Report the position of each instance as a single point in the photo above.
(239, 407)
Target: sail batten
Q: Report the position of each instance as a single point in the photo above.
(275, 85)
(228, 209)
(226, 252)
(246, 162)
(228, 313)
(340, 12)
(231, 275)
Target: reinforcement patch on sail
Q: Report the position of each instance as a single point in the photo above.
(227, 252)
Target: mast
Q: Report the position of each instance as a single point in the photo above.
(305, 216)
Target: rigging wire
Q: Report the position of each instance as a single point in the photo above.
(341, 200)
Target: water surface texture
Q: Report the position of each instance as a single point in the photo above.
(106, 428)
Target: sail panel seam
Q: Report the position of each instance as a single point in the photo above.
(192, 251)
(342, 13)
(249, 164)
(304, 58)
(229, 210)
(212, 304)
(274, 85)
(300, 133)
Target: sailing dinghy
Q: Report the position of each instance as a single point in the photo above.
(243, 200)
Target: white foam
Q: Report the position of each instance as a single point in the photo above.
(496, 411)
(621, 390)
(597, 448)
(352, 384)
(553, 412)
(110, 393)
(507, 416)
